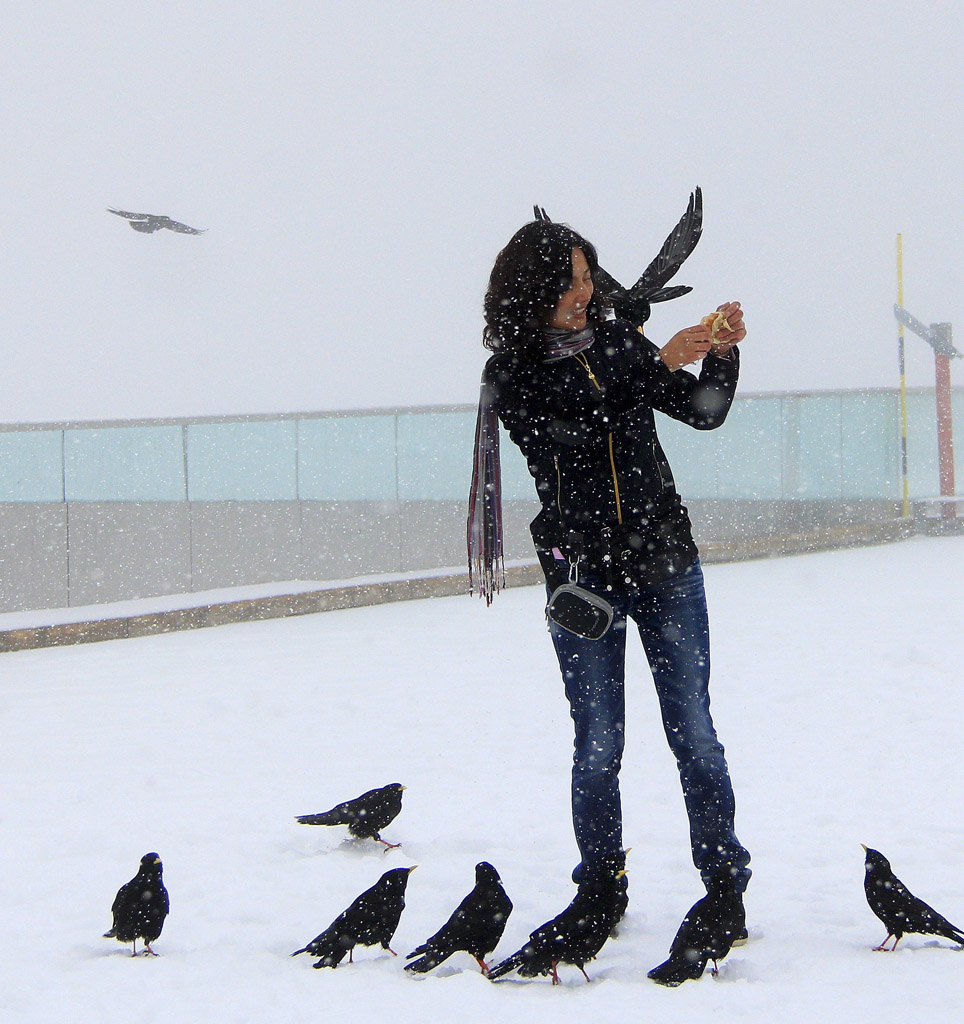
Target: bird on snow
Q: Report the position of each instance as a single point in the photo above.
(140, 906)
(633, 304)
(708, 931)
(577, 934)
(370, 920)
(150, 222)
(366, 815)
(476, 924)
(899, 909)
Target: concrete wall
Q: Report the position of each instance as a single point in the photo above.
(55, 555)
(93, 513)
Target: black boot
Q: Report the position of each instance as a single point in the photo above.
(731, 900)
(613, 867)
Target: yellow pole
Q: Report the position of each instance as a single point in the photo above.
(903, 379)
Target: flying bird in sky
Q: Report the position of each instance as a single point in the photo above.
(149, 222)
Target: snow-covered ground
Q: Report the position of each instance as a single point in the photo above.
(837, 691)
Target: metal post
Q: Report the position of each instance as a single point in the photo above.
(903, 381)
(945, 425)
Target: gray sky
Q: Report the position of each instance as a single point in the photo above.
(359, 165)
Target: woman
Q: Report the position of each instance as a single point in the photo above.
(576, 392)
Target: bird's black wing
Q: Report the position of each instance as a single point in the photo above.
(117, 908)
(128, 215)
(925, 920)
(890, 900)
(184, 229)
(330, 946)
(680, 242)
(608, 284)
(366, 814)
(455, 934)
(121, 898)
(164, 902)
(550, 943)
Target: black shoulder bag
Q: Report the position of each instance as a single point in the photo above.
(576, 609)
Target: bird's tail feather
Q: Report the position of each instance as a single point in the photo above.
(423, 965)
(509, 964)
(319, 819)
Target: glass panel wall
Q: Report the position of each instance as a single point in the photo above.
(347, 458)
(824, 445)
(246, 461)
(124, 464)
(870, 445)
(435, 456)
(31, 465)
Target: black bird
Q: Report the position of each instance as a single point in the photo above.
(150, 222)
(370, 920)
(899, 909)
(140, 906)
(633, 304)
(366, 815)
(476, 925)
(577, 934)
(708, 931)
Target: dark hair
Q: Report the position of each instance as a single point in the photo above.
(530, 275)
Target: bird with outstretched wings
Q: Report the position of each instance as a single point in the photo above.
(634, 303)
(149, 222)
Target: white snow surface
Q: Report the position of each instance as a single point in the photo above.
(837, 691)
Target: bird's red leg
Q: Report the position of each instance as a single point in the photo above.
(882, 948)
(388, 846)
(586, 976)
(351, 958)
(482, 964)
(149, 950)
(715, 969)
(555, 977)
(392, 951)
(134, 948)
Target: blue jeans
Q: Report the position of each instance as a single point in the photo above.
(673, 625)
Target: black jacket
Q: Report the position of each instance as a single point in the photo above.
(586, 427)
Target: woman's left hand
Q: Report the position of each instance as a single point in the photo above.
(726, 339)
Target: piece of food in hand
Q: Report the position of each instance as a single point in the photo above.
(716, 323)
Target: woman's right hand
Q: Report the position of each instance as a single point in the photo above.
(688, 346)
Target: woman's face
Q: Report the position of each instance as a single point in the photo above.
(570, 312)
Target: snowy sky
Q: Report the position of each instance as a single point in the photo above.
(358, 166)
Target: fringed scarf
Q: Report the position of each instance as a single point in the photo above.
(484, 524)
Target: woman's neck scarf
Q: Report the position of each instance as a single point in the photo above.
(484, 525)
